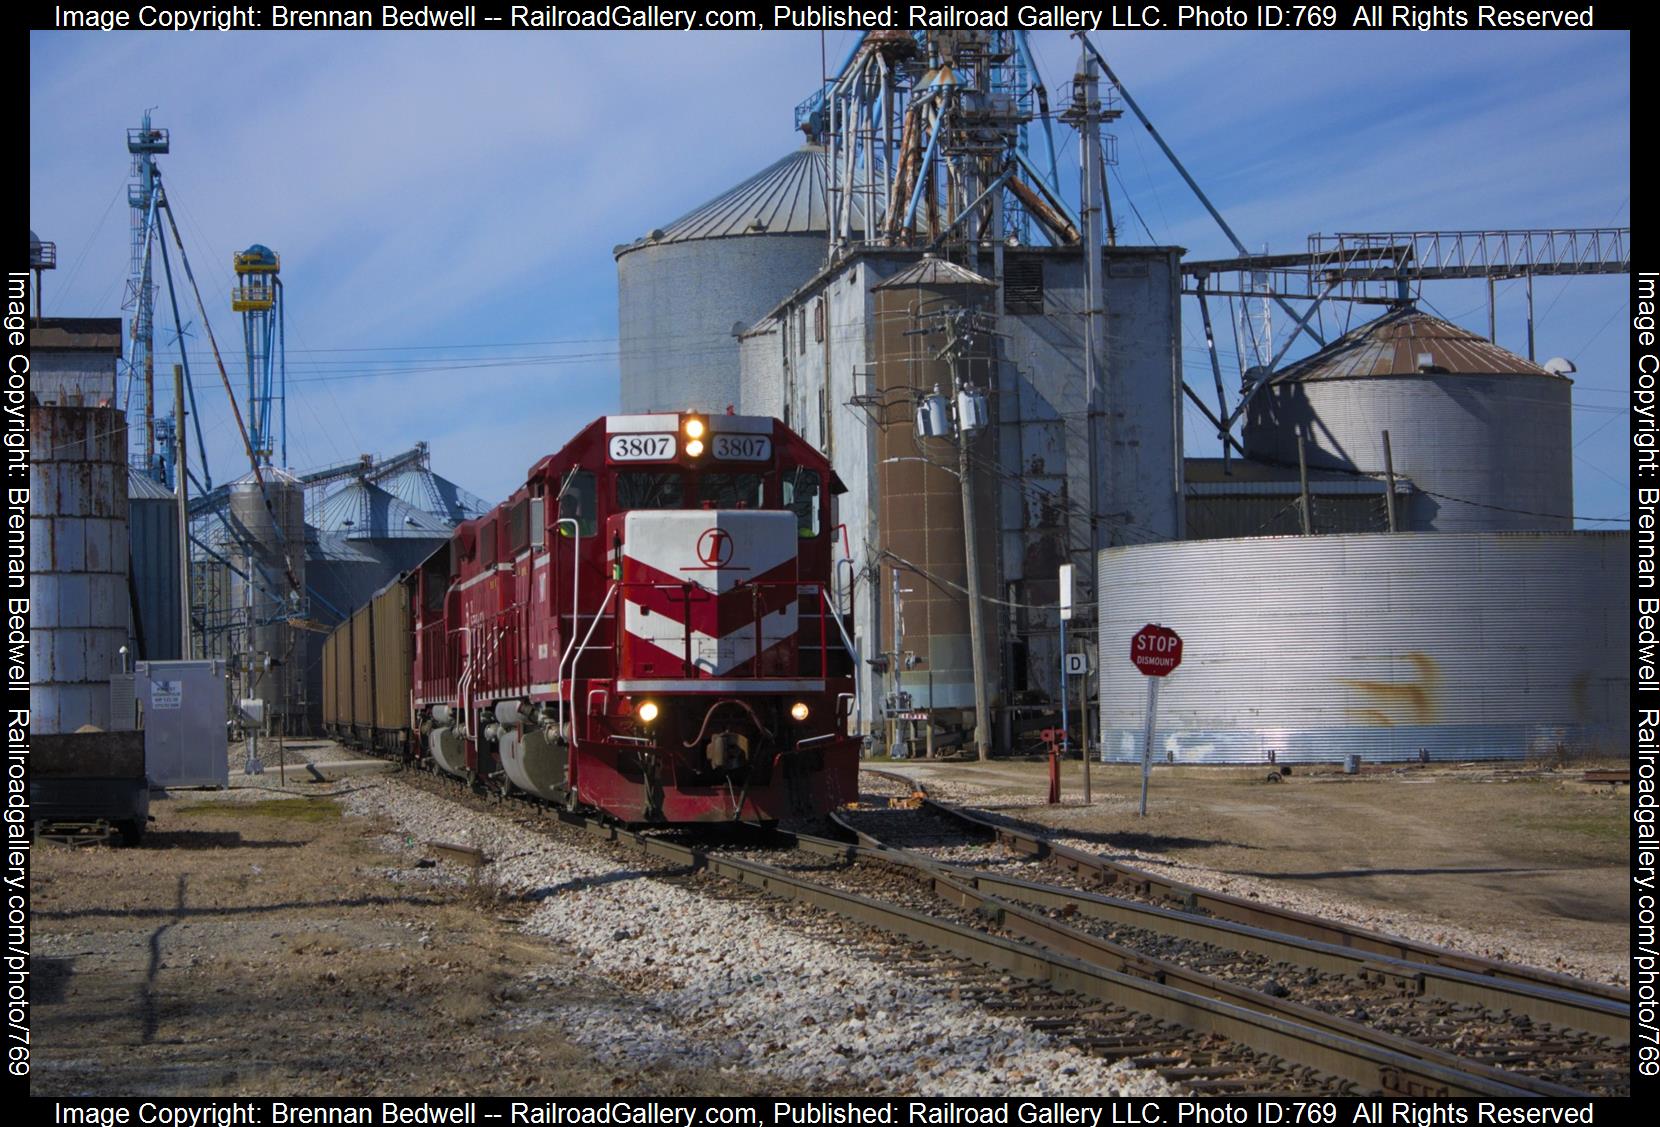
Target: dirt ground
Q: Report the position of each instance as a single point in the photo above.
(1506, 850)
(256, 944)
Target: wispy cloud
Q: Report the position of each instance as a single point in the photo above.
(465, 191)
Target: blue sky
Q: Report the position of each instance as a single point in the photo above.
(446, 204)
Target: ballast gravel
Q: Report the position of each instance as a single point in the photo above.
(1496, 943)
(720, 985)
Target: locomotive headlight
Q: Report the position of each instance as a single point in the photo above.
(694, 428)
(799, 711)
(694, 448)
(647, 712)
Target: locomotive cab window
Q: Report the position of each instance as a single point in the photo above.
(801, 496)
(487, 545)
(578, 502)
(518, 527)
(730, 490)
(435, 579)
(649, 489)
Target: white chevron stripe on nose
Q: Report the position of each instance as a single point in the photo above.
(712, 656)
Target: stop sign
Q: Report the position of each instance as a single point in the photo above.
(1156, 650)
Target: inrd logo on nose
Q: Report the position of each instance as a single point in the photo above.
(715, 547)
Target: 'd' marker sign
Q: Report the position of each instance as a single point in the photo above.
(1156, 650)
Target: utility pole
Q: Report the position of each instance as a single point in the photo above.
(960, 329)
(182, 491)
(976, 609)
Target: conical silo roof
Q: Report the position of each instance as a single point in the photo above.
(1408, 342)
(788, 197)
(363, 510)
(935, 272)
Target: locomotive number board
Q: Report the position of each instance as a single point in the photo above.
(642, 447)
(741, 448)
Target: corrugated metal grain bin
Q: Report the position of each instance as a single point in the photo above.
(1484, 435)
(1445, 646)
(682, 289)
(363, 685)
(392, 662)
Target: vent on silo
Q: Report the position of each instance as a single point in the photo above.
(1023, 285)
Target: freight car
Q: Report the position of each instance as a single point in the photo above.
(647, 628)
(366, 668)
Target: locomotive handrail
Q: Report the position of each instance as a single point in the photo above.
(576, 575)
(852, 650)
(559, 717)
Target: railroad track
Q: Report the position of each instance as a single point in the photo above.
(1511, 1019)
(1119, 877)
(1200, 1032)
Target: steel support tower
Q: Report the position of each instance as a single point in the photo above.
(258, 297)
(144, 143)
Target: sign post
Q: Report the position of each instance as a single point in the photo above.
(1077, 665)
(1156, 651)
(1066, 616)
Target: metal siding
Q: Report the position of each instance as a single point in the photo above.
(79, 608)
(154, 531)
(678, 303)
(1139, 493)
(184, 742)
(1460, 645)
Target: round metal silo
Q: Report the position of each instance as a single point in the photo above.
(271, 553)
(78, 602)
(1393, 647)
(1484, 435)
(682, 289)
(921, 502)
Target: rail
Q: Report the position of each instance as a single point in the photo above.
(1256, 914)
(1363, 1062)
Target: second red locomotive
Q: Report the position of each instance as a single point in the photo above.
(648, 627)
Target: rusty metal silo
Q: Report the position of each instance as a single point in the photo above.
(925, 574)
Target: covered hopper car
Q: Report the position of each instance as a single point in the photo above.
(649, 627)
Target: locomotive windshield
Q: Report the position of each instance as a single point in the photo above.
(730, 490)
(650, 489)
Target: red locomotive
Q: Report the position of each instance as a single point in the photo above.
(646, 628)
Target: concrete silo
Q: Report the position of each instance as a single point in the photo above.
(683, 289)
(78, 599)
(1484, 435)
